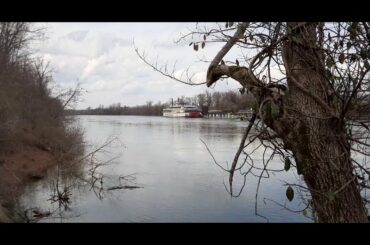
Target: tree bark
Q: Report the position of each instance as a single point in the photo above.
(317, 140)
(310, 125)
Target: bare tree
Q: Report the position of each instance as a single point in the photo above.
(311, 85)
(14, 38)
(30, 116)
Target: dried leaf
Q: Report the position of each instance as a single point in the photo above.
(341, 58)
(363, 54)
(190, 43)
(287, 164)
(290, 193)
(204, 37)
(349, 45)
(203, 44)
(352, 29)
(341, 43)
(299, 167)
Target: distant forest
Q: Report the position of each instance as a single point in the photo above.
(230, 101)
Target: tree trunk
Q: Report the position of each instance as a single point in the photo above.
(318, 140)
(308, 122)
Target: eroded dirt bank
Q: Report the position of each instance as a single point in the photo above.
(18, 168)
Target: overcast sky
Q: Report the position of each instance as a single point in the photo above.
(101, 57)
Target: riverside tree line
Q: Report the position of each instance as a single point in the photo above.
(230, 101)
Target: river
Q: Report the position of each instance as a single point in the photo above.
(179, 179)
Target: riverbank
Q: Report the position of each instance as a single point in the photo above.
(34, 130)
(29, 156)
(4, 216)
(17, 169)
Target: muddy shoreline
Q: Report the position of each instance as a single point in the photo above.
(17, 169)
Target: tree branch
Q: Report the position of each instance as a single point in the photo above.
(241, 147)
(225, 49)
(165, 73)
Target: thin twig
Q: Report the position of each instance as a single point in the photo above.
(209, 151)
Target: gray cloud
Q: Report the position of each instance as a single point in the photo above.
(101, 57)
(77, 35)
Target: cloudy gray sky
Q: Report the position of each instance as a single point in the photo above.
(101, 57)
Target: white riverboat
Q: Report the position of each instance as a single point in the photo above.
(186, 110)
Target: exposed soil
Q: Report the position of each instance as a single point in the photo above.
(17, 168)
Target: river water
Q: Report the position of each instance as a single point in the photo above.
(179, 179)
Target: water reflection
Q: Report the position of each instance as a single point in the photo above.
(180, 182)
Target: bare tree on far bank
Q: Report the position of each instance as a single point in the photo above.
(229, 101)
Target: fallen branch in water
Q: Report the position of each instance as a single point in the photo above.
(130, 187)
